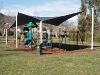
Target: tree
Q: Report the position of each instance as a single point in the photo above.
(96, 4)
(82, 22)
(89, 4)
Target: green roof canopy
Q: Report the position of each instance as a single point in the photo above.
(31, 25)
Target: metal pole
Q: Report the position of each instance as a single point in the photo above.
(16, 31)
(92, 32)
(6, 37)
(40, 32)
(39, 47)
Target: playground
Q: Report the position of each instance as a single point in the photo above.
(30, 34)
(36, 34)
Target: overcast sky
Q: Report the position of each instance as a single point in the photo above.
(41, 7)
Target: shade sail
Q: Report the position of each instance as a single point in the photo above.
(24, 19)
(58, 20)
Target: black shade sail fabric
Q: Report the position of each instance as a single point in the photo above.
(58, 20)
(24, 19)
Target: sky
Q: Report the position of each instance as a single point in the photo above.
(41, 7)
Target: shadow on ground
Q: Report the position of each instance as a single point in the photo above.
(70, 47)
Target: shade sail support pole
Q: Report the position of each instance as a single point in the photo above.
(39, 46)
(92, 31)
(40, 32)
(16, 31)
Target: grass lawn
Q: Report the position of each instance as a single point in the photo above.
(18, 62)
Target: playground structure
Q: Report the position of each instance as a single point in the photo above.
(54, 21)
(22, 19)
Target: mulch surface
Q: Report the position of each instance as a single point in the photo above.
(62, 51)
(51, 50)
